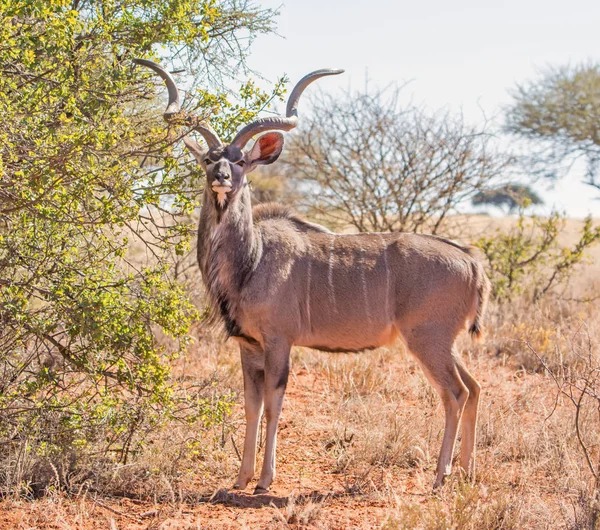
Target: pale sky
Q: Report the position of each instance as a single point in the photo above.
(461, 54)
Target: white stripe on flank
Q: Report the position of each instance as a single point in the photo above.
(363, 276)
(308, 280)
(330, 275)
(387, 276)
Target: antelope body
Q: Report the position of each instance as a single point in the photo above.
(277, 281)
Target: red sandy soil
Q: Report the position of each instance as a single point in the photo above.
(320, 497)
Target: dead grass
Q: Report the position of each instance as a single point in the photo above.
(358, 442)
(464, 507)
(353, 454)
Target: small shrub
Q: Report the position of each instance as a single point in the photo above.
(529, 259)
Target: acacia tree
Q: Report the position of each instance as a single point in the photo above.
(80, 184)
(363, 159)
(511, 196)
(559, 112)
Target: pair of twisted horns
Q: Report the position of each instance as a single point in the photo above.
(257, 126)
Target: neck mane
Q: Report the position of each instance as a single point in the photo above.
(228, 250)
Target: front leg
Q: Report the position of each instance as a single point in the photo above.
(277, 368)
(254, 377)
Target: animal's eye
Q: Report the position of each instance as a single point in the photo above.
(241, 163)
(208, 161)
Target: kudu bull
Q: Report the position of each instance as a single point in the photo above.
(278, 281)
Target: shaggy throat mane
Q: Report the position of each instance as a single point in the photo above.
(228, 252)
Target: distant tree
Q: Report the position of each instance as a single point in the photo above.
(365, 160)
(560, 112)
(511, 196)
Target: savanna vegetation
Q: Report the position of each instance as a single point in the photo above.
(121, 407)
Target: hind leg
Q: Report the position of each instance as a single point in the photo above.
(469, 421)
(440, 366)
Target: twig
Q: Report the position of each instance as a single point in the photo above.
(236, 449)
(115, 511)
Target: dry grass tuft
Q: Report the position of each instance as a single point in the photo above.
(462, 507)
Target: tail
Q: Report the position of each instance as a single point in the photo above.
(483, 293)
(483, 286)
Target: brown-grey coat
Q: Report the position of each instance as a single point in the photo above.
(277, 281)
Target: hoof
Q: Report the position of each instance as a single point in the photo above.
(260, 491)
(437, 486)
(240, 485)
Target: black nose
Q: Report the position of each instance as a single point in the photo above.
(222, 177)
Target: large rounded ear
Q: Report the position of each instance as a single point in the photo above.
(267, 149)
(195, 148)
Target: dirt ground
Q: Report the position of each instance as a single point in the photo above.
(313, 491)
